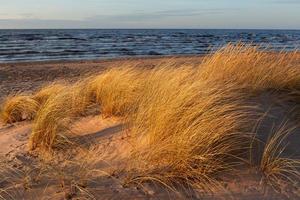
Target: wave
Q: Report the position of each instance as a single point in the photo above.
(85, 44)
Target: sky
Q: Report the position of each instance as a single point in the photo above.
(229, 14)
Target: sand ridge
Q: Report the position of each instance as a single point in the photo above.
(102, 145)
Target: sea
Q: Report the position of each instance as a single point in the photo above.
(82, 44)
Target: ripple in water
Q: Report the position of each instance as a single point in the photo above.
(33, 45)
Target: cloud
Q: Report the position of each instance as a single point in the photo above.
(286, 1)
(141, 15)
(38, 23)
(27, 15)
(138, 18)
(5, 16)
(187, 12)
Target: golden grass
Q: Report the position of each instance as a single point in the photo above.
(116, 89)
(24, 107)
(113, 91)
(278, 168)
(53, 119)
(190, 128)
(44, 93)
(187, 131)
(18, 108)
(253, 69)
(188, 124)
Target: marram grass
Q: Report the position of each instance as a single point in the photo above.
(18, 108)
(188, 123)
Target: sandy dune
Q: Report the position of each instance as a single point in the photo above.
(109, 153)
(92, 168)
(104, 146)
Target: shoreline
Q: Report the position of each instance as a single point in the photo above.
(20, 77)
(25, 77)
(125, 58)
(100, 60)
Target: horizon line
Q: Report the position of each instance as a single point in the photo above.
(290, 29)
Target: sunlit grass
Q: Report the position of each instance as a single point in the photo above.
(187, 124)
(18, 108)
(279, 168)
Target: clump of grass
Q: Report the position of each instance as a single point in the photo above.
(114, 92)
(187, 131)
(22, 107)
(276, 167)
(190, 128)
(253, 69)
(18, 108)
(116, 89)
(53, 119)
(44, 93)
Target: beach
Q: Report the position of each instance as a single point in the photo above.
(150, 100)
(29, 76)
(151, 127)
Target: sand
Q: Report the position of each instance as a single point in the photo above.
(108, 134)
(107, 142)
(28, 76)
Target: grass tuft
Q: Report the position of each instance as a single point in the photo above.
(116, 89)
(277, 168)
(18, 108)
(44, 93)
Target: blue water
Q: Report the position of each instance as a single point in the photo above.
(36, 45)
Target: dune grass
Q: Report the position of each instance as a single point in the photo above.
(54, 117)
(276, 167)
(45, 92)
(190, 128)
(186, 130)
(188, 124)
(253, 69)
(22, 107)
(116, 90)
(18, 108)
